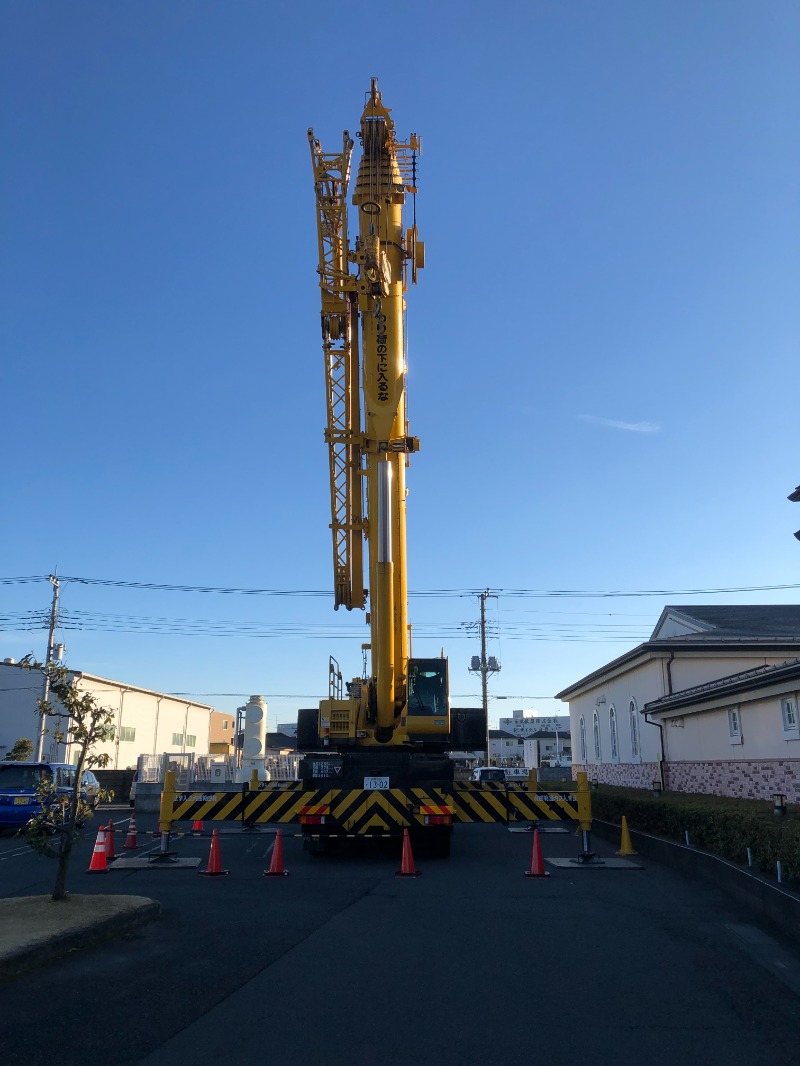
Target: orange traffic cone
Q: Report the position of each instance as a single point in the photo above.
(407, 868)
(276, 865)
(131, 841)
(98, 863)
(197, 827)
(214, 866)
(537, 862)
(110, 853)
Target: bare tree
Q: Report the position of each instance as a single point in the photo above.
(75, 719)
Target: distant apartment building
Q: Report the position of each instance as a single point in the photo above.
(222, 733)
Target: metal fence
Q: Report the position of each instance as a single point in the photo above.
(190, 769)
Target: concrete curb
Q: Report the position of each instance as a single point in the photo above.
(35, 941)
(772, 903)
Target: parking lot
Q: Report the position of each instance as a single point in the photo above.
(341, 962)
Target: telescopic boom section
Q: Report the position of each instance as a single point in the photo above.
(379, 197)
(366, 432)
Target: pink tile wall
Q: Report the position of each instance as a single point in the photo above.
(745, 779)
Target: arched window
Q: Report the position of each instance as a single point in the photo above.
(583, 739)
(612, 728)
(596, 737)
(634, 721)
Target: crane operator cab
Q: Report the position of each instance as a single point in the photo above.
(427, 710)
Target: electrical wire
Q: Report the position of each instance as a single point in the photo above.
(427, 593)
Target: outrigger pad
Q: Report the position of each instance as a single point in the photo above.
(595, 864)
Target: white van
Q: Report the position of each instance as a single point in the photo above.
(489, 773)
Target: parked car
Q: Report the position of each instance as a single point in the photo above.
(489, 773)
(90, 789)
(18, 784)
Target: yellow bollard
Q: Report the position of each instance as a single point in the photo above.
(625, 846)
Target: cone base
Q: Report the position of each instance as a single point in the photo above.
(97, 871)
(276, 873)
(528, 873)
(213, 873)
(401, 874)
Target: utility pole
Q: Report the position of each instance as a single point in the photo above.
(50, 644)
(485, 674)
(484, 666)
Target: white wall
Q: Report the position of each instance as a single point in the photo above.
(706, 735)
(157, 720)
(505, 748)
(690, 669)
(160, 723)
(640, 683)
(538, 748)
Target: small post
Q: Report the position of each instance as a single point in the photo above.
(686, 837)
(165, 819)
(249, 824)
(584, 797)
(780, 872)
(749, 857)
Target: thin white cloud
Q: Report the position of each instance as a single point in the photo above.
(611, 423)
(629, 427)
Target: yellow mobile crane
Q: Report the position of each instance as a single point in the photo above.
(384, 735)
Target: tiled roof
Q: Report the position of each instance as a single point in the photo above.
(758, 677)
(744, 620)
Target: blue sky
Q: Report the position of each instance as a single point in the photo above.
(603, 347)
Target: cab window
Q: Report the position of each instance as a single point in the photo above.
(427, 687)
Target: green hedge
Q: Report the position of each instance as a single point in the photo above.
(724, 826)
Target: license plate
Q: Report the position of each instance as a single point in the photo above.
(373, 783)
(20, 801)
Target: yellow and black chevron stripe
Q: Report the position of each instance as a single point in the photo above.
(352, 810)
(496, 802)
(361, 811)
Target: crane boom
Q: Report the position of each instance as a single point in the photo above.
(367, 465)
(339, 321)
(391, 729)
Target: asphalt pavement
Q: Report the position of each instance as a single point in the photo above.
(343, 964)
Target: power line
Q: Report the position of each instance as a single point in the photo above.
(532, 593)
(91, 621)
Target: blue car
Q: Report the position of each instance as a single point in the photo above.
(18, 783)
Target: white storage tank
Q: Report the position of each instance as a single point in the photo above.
(254, 745)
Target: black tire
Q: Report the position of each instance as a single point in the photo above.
(435, 842)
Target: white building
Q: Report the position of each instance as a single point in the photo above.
(697, 707)
(504, 748)
(545, 748)
(145, 722)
